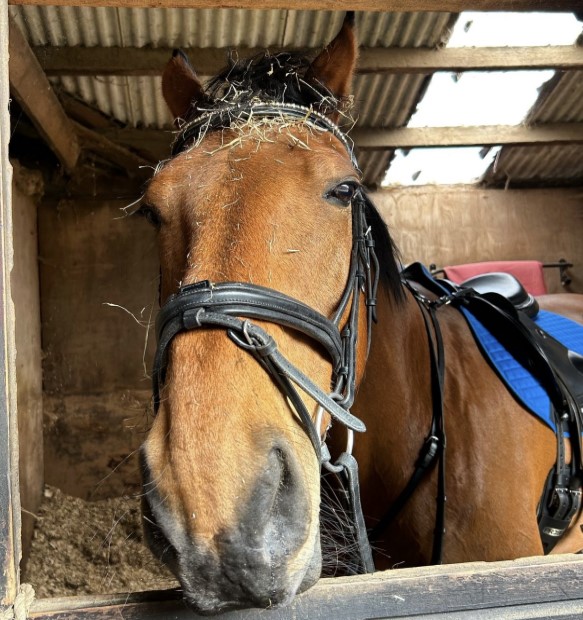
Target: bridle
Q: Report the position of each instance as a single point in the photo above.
(233, 305)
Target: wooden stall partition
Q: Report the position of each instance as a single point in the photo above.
(460, 224)
(529, 588)
(9, 500)
(27, 190)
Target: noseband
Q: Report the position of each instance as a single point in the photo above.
(233, 305)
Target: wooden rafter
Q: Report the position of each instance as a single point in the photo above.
(157, 142)
(66, 138)
(208, 61)
(452, 6)
(31, 88)
(412, 137)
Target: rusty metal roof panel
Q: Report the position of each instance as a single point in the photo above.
(561, 100)
(537, 164)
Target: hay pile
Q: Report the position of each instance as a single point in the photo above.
(82, 547)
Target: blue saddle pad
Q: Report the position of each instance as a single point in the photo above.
(519, 381)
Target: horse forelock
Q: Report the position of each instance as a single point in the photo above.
(266, 77)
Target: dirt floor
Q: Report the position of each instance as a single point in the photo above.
(82, 547)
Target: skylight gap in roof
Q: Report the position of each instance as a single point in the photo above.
(475, 29)
(478, 98)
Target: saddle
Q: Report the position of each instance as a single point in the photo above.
(500, 311)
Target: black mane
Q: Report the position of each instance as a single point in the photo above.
(386, 251)
(269, 78)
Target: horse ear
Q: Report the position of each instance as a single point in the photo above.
(334, 66)
(181, 87)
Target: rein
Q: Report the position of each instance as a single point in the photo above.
(232, 306)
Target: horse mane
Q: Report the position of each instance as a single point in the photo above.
(386, 251)
(269, 78)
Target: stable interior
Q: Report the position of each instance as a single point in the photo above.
(85, 276)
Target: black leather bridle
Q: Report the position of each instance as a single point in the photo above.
(232, 306)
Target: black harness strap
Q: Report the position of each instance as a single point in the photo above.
(433, 449)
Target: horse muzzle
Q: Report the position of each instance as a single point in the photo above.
(269, 553)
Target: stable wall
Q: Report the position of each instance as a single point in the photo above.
(457, 225)
(99, 291)
(26, 191)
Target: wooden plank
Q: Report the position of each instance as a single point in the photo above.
(412, 137)
(157, 141)
(154, 141)
(209, 61)
(85, 114)
(452, 6)
(419, 60)
(134, 165)
(34, 93)
(548, 585)
(9, 506)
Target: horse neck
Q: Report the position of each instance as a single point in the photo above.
(394, 397)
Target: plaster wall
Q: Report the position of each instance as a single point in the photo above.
(99, 294)
(456, 225)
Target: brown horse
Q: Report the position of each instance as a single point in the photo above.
(231, 477)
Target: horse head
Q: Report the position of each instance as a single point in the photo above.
(255, 207)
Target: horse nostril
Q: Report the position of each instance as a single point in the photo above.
(278, 505)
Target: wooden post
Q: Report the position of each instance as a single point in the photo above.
(9, 498)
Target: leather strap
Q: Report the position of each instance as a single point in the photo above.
(433, 449)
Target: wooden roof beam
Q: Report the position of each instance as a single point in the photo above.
(451, 6)
(209, 61)
(31, 88)
(417, 137)
(157, 142)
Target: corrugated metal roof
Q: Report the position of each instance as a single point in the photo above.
(106, 26)
(137, 100)
(561, 100)
(387, 100)
(374, 165)
(381, 101)
(537, 164)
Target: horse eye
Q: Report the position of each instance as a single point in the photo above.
(343, 193)
(151, 214)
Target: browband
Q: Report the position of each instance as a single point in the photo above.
(225, 117)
